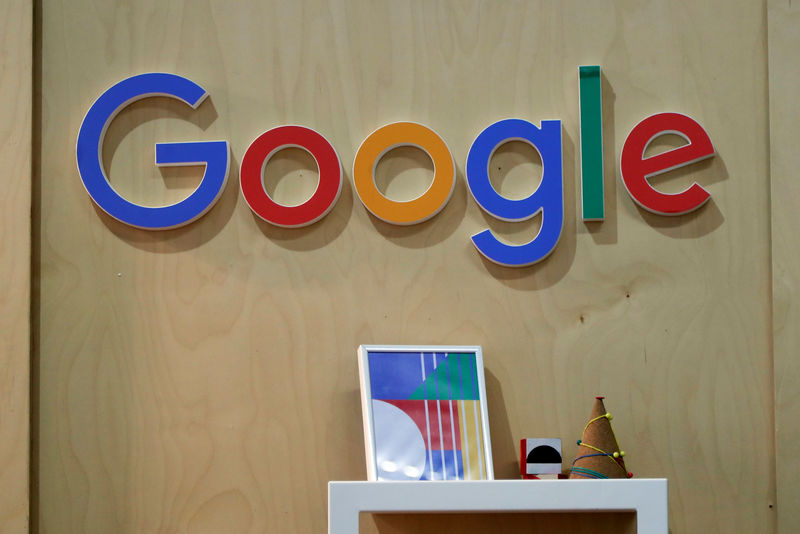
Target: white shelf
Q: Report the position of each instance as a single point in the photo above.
(646, 497)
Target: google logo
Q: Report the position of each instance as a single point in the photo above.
(548, 198)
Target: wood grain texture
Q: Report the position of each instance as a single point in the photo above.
(784, 79)
(16, 43)
(204, 379)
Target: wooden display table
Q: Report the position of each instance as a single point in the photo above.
(646, 497)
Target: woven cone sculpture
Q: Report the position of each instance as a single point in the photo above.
(599, 455)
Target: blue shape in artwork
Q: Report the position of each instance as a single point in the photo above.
(399, 375)
(395, 375)
(453, 465)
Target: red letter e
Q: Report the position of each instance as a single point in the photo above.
(636, 169)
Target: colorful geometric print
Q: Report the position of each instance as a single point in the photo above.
(431, 428)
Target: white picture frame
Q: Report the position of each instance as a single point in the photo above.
(424, 412)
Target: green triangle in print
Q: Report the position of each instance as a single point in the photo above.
(454, 379)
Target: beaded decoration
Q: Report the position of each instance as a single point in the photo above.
(615, 456)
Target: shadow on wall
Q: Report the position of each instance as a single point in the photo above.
(504, 449)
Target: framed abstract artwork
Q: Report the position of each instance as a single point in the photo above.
(424, 410)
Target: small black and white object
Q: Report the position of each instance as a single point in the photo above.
(540, 456)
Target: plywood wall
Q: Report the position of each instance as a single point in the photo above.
(784, 66)
(204, 379)
(16, 23)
